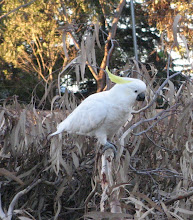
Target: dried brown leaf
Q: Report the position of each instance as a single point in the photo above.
(66, 101)
(24, 218)
(171, 92)
(143, 216)
(2, 118)
(75, 159)
(175, 215)
(110, 216)
(64, 44)
(175, 29)
(47, 90)
(184, 211)
(53, 101)
(146, 198)
(96, 29)
(166, 211)
(83, 59)
(186, 46)
(10, 175)
(77, 70)
(88, 48)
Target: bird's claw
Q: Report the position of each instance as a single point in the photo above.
(109, 145)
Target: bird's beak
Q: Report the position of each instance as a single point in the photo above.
(141, 97)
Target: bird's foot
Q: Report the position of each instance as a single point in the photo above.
(110, 145)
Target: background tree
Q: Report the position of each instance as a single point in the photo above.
(161, 14)
(30, 41)
(38, 40)
(43, 37)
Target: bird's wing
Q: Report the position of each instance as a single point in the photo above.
(87, 117)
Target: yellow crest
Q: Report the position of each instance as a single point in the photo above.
(116, 79)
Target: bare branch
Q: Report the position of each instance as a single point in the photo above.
(16, 9)
(157, 93)
(164, 148)
(18, 195)
(179, 197)
(158, 172)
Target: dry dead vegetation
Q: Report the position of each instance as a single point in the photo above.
(151, 177)
(60, 179)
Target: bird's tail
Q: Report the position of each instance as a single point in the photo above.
(56, 132)
(60, 129)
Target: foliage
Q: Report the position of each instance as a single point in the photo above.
(162, 14)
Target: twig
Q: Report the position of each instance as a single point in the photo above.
(156, 117)
(14, 10)
(179, 197)
(157, 93)
(155, 172)
(151, 126)
(164, 148)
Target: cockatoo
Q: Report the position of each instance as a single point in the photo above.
(102, 114)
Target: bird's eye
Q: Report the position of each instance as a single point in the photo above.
(135, 91)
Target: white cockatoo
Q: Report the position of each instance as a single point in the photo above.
(102, 114)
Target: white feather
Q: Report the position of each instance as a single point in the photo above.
(102, 114)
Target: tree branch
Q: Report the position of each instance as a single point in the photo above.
(179, 197)
(16, 9)
(157, 93)
(111, 35)
(17, 196)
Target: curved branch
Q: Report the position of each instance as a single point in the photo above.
(17, 196)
